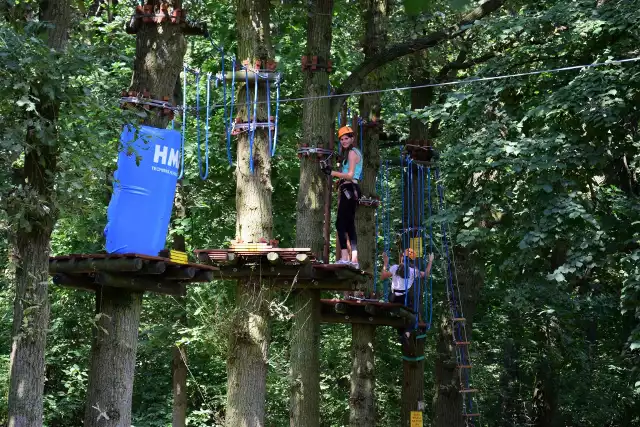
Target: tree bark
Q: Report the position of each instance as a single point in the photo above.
(113, 358)
(362, 402)
(179, 353)
(31, 305)
(160, 50)
(316, 125)
(251, 333)
(448, 399)
(412, 398)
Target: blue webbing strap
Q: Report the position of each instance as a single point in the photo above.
(184, 119)
(269, 117)
(229, 125)
(206, 135)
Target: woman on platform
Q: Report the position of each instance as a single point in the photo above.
(349, 191)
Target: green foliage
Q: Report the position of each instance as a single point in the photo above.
(541, 176)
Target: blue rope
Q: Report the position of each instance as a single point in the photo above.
(269, 117)
(429, 308)
(206, 136)
(198, 122)
(360, 123)
(252, 128)
(229, 124)
(275, 126)
(184, 119)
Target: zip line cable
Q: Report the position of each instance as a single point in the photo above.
(456, 82)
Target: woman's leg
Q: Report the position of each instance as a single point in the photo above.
(350, 219)
(341, 224)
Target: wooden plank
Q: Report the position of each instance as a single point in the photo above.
(202, 276)
(90, 265)
(77, 282)
(370, 320)
(153, 267)
(179, 273)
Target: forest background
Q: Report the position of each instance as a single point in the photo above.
(541, 175)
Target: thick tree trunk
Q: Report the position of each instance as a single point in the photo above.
(362, 402)
(362, 399)
(316, 128)
(250, 335)
(113, 358)
(31, 305)
(510, 410)
(160, 50)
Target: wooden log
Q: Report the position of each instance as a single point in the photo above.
(274, 258)
(78, 282)
(153, 267)
(204, 257)
(140, 284)
(404, 314)
(88, 265)
(369, 320)
(371, 309)
(303, 258)
(203, 276)
(179, 273)
(340, 307)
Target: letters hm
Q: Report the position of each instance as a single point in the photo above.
(161, 153)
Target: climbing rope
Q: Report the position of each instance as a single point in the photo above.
(229, 125)
(203, 175)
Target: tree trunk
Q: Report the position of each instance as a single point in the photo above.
(31, 305)
(179, 369)
(179, 353)
(448, 399)
(113, 358)
(362, 399)
(160, 50)
(250, 335)
(316, 125)
(412, 398)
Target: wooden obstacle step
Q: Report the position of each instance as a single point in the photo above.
(464, 366)
(470, 415)
(469, 390)
(459, 319)
(462, 342)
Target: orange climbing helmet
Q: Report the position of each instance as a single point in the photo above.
(343, 131)
(410, 253)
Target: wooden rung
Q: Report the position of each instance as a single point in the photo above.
(470, 415)
(459, 319)
(469, 390)
(464, 366)
(461, 342)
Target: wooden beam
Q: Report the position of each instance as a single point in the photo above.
(403, 313)
(369, 320)
(139, 284)
(242, 75)
(89, 265)
(203, 276)
(78, 282)
(371, 309)
(153, 267)
(175, 272)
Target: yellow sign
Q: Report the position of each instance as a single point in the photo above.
(178, 257)
(416, 245)
(416, 419)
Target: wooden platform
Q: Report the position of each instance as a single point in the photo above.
(367, 311)
(284, 267)
(129, 271)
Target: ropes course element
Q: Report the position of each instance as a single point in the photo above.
(462, 82)
(238, 126)
(203, 171)
(459, 333)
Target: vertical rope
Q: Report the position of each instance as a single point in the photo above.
(184, 119)
(429, 315)
(275, 125)
(229, 126)
(269, 116)
(206, 136)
